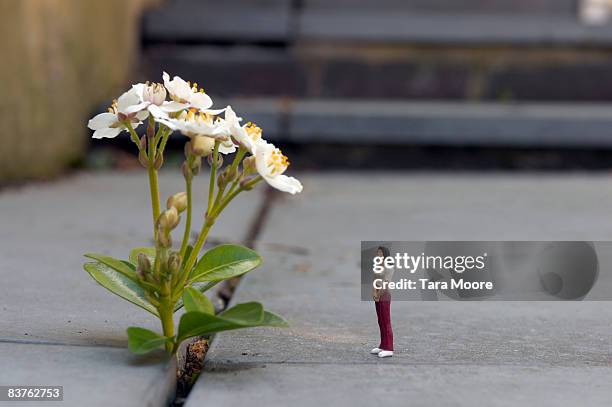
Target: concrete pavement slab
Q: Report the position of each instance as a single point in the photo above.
(311, 249)
(336, 384)
(46, 228)
(90, 375)
(57, 325)
(346, 208)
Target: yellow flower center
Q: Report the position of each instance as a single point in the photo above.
(113, 107)
(277, 162)
(253, 131)
(195, 116)
(194, 87)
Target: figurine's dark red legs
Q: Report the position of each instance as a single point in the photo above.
(383, 312)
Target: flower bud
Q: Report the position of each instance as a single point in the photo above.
(144, 264)
(202, 145)
(154, 93)
(174, 263)
(169, 219)
(248, 165)
(187, 149)
(244, 184)
(143, 143)
(143, 159)
(159, 161)
(209, 159)
(164, 239)
(178, 201)
(231, 175)
(221, 180)
(187, 173)
(196, 166)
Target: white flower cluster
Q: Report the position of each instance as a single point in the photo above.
(189, 112)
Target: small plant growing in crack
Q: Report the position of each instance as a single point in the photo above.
(164, 279)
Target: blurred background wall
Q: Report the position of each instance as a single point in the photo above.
(60, 58)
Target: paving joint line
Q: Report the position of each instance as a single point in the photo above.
(51, 343)
(215, 366)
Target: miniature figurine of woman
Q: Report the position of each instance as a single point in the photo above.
(382, 300)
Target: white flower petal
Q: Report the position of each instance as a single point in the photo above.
(142, 115)
(126, 100)
(136, 108)
(262, 153)
(158, 112)
(102, 121)
(173, 124)
(177, 87)
(214, 112)
(227, 147)
(173, 106)
(109, 132)
(139, 90)
(201, 100)
(231, 117)
(285, 183)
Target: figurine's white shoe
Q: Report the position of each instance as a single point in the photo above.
(375, 351)
(385, 353)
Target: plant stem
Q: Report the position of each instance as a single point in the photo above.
(151, 142)
(213, 175)
(153, 185)
(234, 193)
(232, 169)
(165, 314)
(214, 209)
(188, 265)
(188, 220)
(159, 133)
(133, 135)
(164, 139)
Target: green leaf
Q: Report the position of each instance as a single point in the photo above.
(247, 315)
(196, 301)
(148, 251)
(197, 323)
(201, 287)
(248, 312)
(271, 319)
(142, 340)
(223, 262)
(119, 284)
(117, 265)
